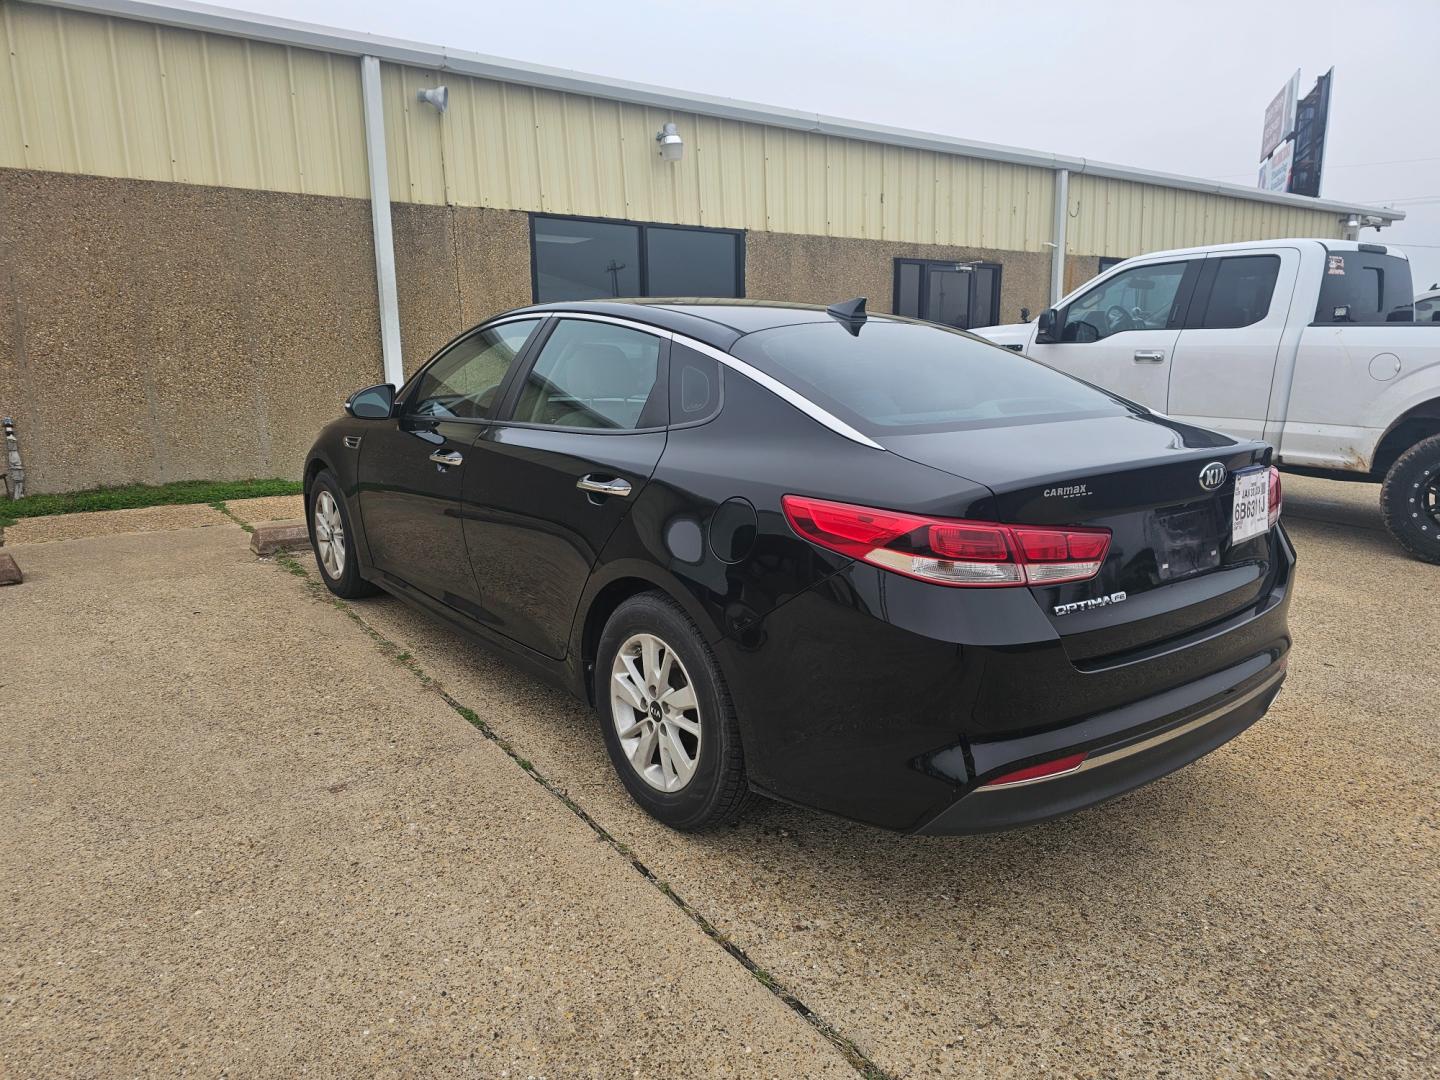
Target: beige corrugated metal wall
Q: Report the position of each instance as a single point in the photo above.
(1117, 217)
(111, 97)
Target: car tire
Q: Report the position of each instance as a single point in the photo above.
(716, 790)
(334, 546)
(1410, 500)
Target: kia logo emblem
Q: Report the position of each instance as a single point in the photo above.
(1212, 476)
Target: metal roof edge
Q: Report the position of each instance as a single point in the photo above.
(186, 14)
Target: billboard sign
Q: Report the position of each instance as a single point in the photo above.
(1280, 116)
(1312, 116)
(1275, 173)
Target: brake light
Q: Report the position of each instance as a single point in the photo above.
(1277, 496)
(1043, 771)
(948, 551)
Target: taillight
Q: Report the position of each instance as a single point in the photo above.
(947, 551)
(1277, 497)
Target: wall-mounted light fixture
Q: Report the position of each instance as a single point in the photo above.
(672, 147)
(439, 97)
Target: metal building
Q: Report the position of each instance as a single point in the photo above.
(216, 224)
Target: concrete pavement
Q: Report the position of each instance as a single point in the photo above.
(249, 840)
(240, 841)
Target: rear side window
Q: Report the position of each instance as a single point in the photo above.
(593, 375)
(910, 376)
(1428, 310)
(1365, 287)
(1241, 292)
(694, 385)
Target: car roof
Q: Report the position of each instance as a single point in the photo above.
(1266, 245)
(716, 322)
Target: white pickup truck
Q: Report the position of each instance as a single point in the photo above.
(1311, 345)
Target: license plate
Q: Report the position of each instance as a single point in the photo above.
(1252, 505)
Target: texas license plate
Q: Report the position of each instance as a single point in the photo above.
(1252, 505)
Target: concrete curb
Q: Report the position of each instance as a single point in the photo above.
(273, 536)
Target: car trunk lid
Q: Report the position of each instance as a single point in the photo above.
(1171, 569)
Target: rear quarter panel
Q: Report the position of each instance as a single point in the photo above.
(1350, 383)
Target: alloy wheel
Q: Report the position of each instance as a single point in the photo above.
(329, 535)
(655, 712)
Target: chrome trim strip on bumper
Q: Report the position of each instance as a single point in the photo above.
(1140, 747)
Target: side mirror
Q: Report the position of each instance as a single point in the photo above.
(372, 403)
(1045, 326)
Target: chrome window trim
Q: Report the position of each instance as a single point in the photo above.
(775, 386)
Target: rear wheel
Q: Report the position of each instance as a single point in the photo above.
(669, 723)
(1410, 500)
(333, 540)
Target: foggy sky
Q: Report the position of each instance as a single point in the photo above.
(1172, 87)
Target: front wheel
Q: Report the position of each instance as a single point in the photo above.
(1410, 500)
(333, 540)
(669, 723)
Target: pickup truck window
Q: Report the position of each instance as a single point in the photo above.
(1240, 292)
(1364, 287)
(1138, 299)
(1428, 310)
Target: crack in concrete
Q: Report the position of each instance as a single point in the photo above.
(847, 1048)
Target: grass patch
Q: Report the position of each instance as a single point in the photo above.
(135, 495)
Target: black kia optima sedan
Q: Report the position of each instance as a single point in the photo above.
(864, 564)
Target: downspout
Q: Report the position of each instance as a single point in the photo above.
(380, 220)
(1062, 217)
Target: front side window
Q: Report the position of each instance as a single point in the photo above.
(577, 259)
(1240, 295)
(1365, 287)
(1138, 299)
(593, 375)
(464, 383)
(900, 375)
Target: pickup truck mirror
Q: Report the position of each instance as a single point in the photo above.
(1045, 325)
(372, 403)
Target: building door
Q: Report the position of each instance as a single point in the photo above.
(953, 294)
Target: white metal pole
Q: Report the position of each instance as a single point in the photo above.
(380, 219)
(1062, 218)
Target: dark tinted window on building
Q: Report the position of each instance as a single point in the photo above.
(601, 260)
(689, 262)
(585, 260)
(1241, 292)
(1365, 287)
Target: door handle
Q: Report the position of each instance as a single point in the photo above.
(1149, 356)
(444, 458)
(603, 487)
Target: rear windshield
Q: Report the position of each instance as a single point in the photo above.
(1365, 287)
(896, 375)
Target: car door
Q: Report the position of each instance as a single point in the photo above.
(1120, 333)
(412, 467)
(579, 436)
(1223, 366)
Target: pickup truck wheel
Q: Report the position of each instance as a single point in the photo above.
(1410, 500)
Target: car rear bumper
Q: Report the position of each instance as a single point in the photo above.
(891, 701)
(1119, 761)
